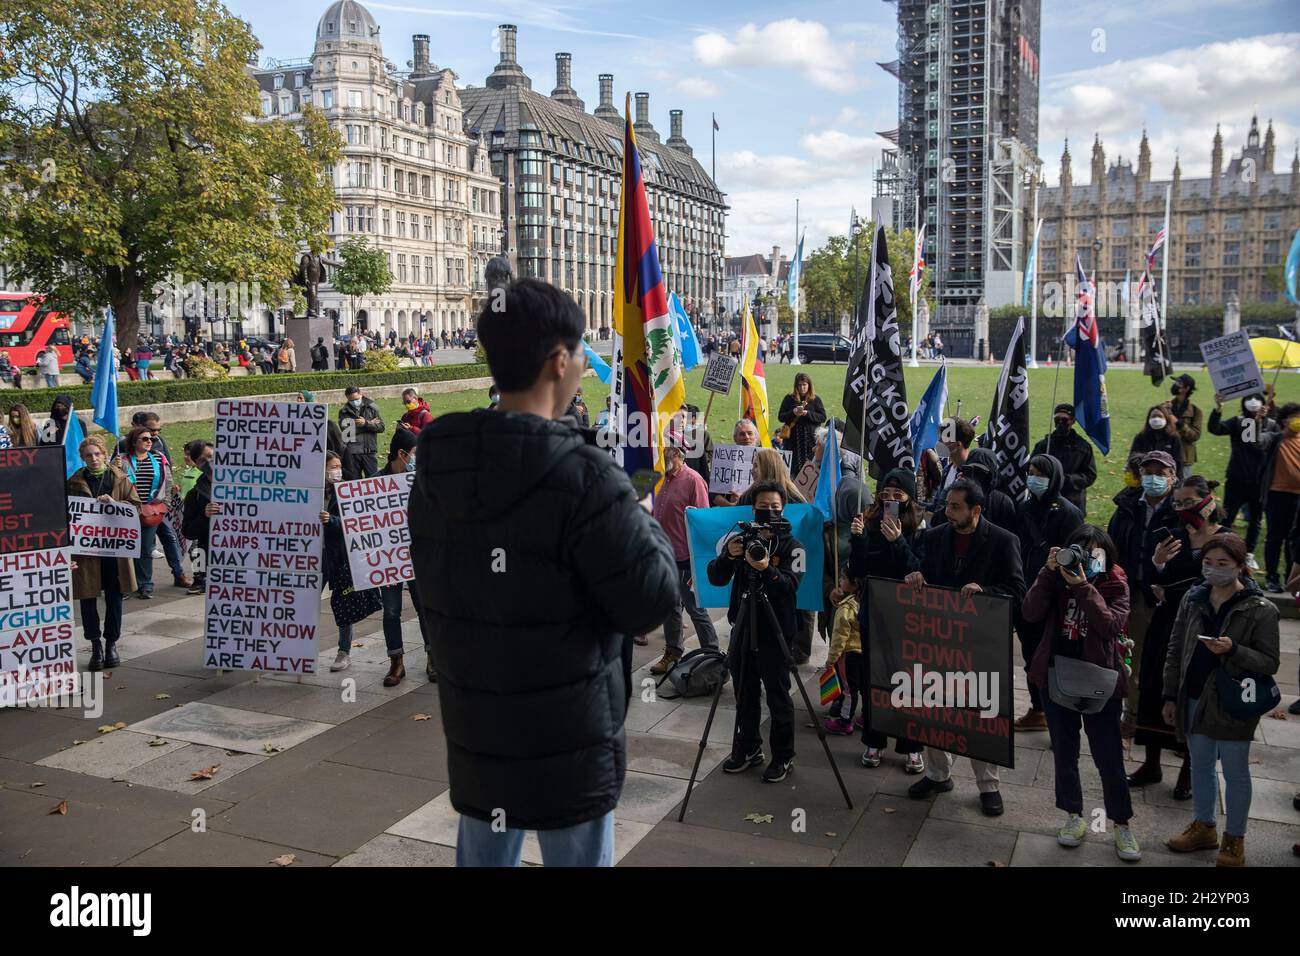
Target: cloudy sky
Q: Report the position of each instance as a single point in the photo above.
(799, 98)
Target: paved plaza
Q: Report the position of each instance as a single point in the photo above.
(275, 766)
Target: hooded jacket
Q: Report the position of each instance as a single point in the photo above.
(998, 506)
(1044, 522)
(1078, 466)
(60, 425)
(1246, 460)
(1147, 440)
(418, 417)
(533, 558)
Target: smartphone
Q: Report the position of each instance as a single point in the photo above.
(891, 509)
(1205, 637)
(1163, 534)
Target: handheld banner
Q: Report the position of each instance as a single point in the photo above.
(1234, 370)
(104, 529)
(373, 515)
(732, 468)
(33, 502)
(37, 649)
(719, 374)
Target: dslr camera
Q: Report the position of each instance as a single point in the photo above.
(1072, 557)
(756, 536)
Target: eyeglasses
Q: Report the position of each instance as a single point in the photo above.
(145, 438)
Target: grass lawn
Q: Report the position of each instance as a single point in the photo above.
(1131, 395)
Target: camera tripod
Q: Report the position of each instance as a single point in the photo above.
(746, 629)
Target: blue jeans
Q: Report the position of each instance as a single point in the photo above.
(144, 563)
(587, 844)
(1206, 752)
(51, 381)
(391, 596)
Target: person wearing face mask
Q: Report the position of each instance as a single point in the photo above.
(1177, 562)
(1280, 488)
(1044, 522)
(21, 429)
(52, 433)
(1074, 452)
(347, 604)
(417, 412)
(1226, 631)
(769, 466)
(1187, 419)
(1160, 434)
(198, 507)
(1247, 433)
(1084, 607)
(1134, 527)
(361, 416)
(114, 577)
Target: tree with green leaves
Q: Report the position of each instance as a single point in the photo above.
(831, 284)
(363, 271)
(134, 156)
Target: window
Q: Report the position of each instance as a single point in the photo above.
(419, 149)
(428, 229)
(1192, 255)
(298, 80)
(1049, 230)
(354, 99)
(266, 106)
(370, 219)
(1192, 291)
(384, 170)
(1272, 252)
(1118, 256)
(279, 81)
(426, 186)
(429, 278)
(446, 230)
(1232, 224)
(406, 146)
(460, 271)
(1232, 253)
(1195, 224)
(399, 179)
(1085, 230)
(1119, 227)
(411, 181)
(401, 267)
(385, 219)
(401, 225)
(350, 218)
(379, 102)
(286, 104)
(383, 137)
(449, 270)
(1230, 285)
(1272, 220)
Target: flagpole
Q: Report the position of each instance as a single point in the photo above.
(914, 287)
(1164, 277)
(794, 354)
(1033, 300)
(866, 371)
(714, 134)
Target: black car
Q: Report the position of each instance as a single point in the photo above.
(823, 347)
(470, 338)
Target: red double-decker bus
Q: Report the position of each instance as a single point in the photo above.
(26, 327)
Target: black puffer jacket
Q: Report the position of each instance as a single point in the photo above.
(1078, 467)
(532, 560)
(1248, 436)
(1045, 522)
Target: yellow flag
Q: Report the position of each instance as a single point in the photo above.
(753, 383)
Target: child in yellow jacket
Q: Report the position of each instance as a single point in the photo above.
(846, 642)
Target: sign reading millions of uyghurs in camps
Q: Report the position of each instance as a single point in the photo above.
(264, 579)
(37, 653)
(269, 443)
(33, 502)
(104, 529)
(732, 468)
(1233, 367)
(372, 512)
(941, 669)
(719, 374)
(707, 531)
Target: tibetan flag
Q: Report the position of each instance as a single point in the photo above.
(653, 388)
(828, 681)
(1091, 408)
(104, 392)
(73, 435)
(753, 382)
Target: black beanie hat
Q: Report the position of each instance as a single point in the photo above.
(899, 478)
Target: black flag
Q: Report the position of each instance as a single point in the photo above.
(1007, 435)
(875, 372)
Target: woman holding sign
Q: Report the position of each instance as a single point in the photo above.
(801, 413)
(113, 576)
(151, 475)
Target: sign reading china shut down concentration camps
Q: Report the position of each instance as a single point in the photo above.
(37, 653)
(33, 506)
(106, 529)
(264, 549)
(941, 669)
(372, 512)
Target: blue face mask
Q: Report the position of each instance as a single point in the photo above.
(1038, 485)
(1155, 484)
(410, 463)
(1094, 568)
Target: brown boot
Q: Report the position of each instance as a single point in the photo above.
(396, 671)
(664, 663)
(1197, 836)
(1032, 720)
(1232, 852)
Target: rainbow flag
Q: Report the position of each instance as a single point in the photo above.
(651, 388)
(829, 682)
(753, 382)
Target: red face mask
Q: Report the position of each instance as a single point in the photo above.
(1198, 514)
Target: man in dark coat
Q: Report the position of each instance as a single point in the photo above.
(974, 555)
(534, 563)
(981, 466)
(1074, 452)
(360, 421)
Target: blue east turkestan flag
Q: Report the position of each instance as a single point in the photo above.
(1031, 267)
(708, 528)
(1091, 409)
(73, 435)
(828, 479)
(598, 364)
(104, 393)
(1292, 268)
(929, 412)
(686, 340)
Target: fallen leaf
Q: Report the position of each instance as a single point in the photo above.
(890, 810)
(119, 687)
(162, 696)
(272, 749)
(358, 644)
(1278, 714)
(61, 809)
(77, 742)
(232, 753)
(758, 818)
(37, 784)
(830, 834)
(206, 773)
(284, 860)
(158, 742)
(119, 725)
(997, 863)
(421, 717)
(104, 729)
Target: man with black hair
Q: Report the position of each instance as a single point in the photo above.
(533, 560)
(976, 556)
(775, 574)
(360, 416)
(1074, 452)
(955, 437)
(197, 511)
(1187, 419)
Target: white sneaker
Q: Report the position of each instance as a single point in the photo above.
(157, 553)
(341, 662)
(872, 757)
(915, 763)
(1251, 563)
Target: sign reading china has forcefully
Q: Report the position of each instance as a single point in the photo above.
(264, 548)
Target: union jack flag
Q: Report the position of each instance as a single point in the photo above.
(1151, 262)
(1084, 318)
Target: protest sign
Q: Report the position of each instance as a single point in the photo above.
(707, 530)
(806, 480)
(33, 502)
(940, 669)
(719, 374)
(269, 443)
(37, 652)
(731, 470)
(1233, 367)
(106, 529)
(372, 512)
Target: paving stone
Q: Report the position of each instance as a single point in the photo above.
(132, 646)
(416, 748)
(1040, 849)
(214, 848)
(946, 843)
(670, 756)
(326, 704)
(1280, 733)
(648, 798)
(166, 622)
(671, 844)
(388, 850)
(1275, 763)
(885, 832)
(30, 733)
(174, 770)
(110, 755)
(229, 728)
(30, 835)
(259, 695)
(1271, 800)
(641, 716)
(688, 723)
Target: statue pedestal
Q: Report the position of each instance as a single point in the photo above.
(305, 332)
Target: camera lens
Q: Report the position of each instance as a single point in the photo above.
(1068, 557)
(756, 551)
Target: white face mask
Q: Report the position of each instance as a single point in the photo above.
(1253, 405)
(1156, 422)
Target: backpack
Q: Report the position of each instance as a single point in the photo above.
(697, 674)
(282, 356)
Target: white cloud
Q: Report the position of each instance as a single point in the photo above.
(697, 86)
(838, 147)
(805, 45)
(1106, 13)
(764, 217)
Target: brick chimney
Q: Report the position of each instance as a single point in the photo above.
(420, 62)
(564, 91)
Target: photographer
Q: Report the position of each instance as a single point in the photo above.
(975, 555)
(765, 560)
